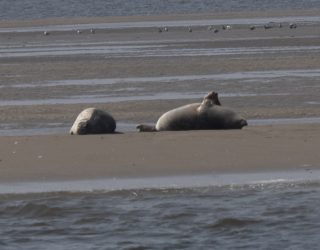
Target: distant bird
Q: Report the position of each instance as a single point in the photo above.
(226, 27)
(292, 25)
(252, 27)
(159, 30)
(267, 26)
(210, 27)
(79, 32)
(280, 25)
(215, 31)
(189, 29)
(166, 29)
(92, 31)
(46, 33)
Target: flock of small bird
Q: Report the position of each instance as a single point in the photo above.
(78, 32)
(228, 27)
(271, 25)
(210, 28)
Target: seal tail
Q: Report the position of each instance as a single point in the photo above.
(146, 128)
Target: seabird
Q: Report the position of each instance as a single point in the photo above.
(292, 25)
(267, 26)
(252, 27)
(189, 29)
(92, 31)
(46, 33)
(226, 27)
(79, 32)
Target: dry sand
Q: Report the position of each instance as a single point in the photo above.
(253, 149)
(65, 157)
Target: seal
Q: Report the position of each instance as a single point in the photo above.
(93, 121)
(209, 114)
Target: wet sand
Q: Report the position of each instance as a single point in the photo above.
(137, 73)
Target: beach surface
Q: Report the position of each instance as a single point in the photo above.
(129, 68)
(132, 155)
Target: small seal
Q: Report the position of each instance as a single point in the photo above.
(93, 121)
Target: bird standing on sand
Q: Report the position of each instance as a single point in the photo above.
(226, 27)
(267, 26)
(292, 25)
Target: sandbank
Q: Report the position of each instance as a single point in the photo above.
(37, 84)
(133, 155)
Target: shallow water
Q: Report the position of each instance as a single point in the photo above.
(129, 89)
(261, 214)
(306, 20)
(136, 51)
(61, 128)
(244, 75)
(35, 9)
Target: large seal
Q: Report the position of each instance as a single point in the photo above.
(93, 121)
(198, 116)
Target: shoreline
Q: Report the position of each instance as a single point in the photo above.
(276, 178)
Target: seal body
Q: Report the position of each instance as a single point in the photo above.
(93, 121)
(182, 118)
(195, 117)
(198, 116)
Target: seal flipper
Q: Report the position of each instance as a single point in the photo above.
(146, 128)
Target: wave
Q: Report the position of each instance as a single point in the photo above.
(251, 181)
(231, 222)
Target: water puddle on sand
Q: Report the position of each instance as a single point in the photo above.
(48, 129)
(91, 99)
(284, 121)
(15, 129)
(244, 75)
(139, 51)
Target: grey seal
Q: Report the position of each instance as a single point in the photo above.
(209, 114)
(93, 121)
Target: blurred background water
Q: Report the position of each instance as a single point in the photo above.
(279, 215)
(38, 9)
